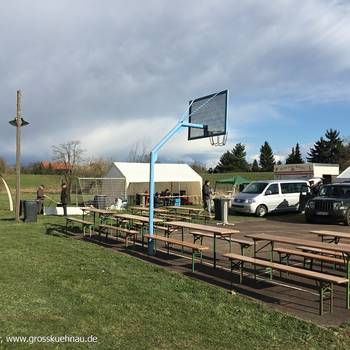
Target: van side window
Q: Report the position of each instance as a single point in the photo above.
(273, 188)
(293, 187)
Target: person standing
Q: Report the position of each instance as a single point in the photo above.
(64, 198)
(206, 193)
(40, 196)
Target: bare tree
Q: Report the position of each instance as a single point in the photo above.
(139, 153)
(70, 154)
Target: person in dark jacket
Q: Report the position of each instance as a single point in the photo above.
(40, 196)
(206, 193)
(64, 198)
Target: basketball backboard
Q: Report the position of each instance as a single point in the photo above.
(210, 111)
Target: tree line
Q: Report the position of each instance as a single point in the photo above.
(330, 148)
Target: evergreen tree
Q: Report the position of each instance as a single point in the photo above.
(279, 163)
(255, 166)
(295, 156)
(239, 154)
(267, 159)
(225, 162)
(328, 149)
(298, 158)
(233, 160)
(291, 156)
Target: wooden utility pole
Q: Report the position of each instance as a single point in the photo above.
(18, 153)
(18, 122)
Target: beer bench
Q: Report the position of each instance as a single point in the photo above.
(119, 231)
(85, 224)
(320, 251)
(197, 250)
(244, 244)
(325, 281)
(285, 253)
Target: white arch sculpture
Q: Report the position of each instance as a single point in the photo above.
(8, 193)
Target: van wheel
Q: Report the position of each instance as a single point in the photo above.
(261, 210)
(347, 218)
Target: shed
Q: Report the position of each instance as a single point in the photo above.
(306, 171)
(344, 176)
(178, 178)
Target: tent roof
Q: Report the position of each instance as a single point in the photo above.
(234, 180)
(139, 172)
(345, 174)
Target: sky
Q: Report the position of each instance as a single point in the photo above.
(115, 74)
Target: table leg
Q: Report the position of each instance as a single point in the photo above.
(214, 250)
(254, 258)
(271, 259)
(348, 283)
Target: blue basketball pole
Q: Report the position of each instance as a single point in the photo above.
(154, 155)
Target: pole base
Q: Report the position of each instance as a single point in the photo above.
(150, 249)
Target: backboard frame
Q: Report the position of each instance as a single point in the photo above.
(206, 133)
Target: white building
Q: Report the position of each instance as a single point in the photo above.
(306, 171)
(344, 176)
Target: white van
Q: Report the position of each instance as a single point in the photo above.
(262, 197)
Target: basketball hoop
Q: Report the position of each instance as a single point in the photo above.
(219, 140)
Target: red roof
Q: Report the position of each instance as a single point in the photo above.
(54, 165)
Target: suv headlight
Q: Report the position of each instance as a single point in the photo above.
(311, 204)
(250, 201)
(338, 206)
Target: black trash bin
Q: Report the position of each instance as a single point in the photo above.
(218, 212)
(30, 211)
(100, 201)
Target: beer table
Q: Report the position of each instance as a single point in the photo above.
(342, 248)
(215, 230)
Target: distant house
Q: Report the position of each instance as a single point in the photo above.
(55, 167)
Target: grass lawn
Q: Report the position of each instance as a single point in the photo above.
(51, 182)
(54, 285)
(249, 176)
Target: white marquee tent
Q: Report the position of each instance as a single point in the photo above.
(344, 176)
(175, 177)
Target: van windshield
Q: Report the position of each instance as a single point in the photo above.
(255, 187)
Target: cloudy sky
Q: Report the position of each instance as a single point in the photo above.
(116, 73)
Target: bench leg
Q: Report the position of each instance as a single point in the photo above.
(326, 290)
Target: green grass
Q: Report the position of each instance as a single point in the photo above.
(51, 182)
(249, 176)
(54, 285)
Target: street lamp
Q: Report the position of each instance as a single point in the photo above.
(18, 122)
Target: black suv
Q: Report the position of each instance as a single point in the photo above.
(332, 204)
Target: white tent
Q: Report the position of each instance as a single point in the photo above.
(344, 176)
(175, 177)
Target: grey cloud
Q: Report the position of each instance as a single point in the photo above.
(86, 63)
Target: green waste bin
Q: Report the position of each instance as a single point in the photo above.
(30, 211)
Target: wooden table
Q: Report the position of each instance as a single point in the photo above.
(143, 219)
(341, 248)
(146, 209)
(190, 210)
(334, 236)
(215, 230)
(95, 211)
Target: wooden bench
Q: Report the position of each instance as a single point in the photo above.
(205, 216)
(103, 228)
(85, 224)
(326, 281)
(197, 250)
(320, 251)
(175, 217)
(243, 243)
(285, 253)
